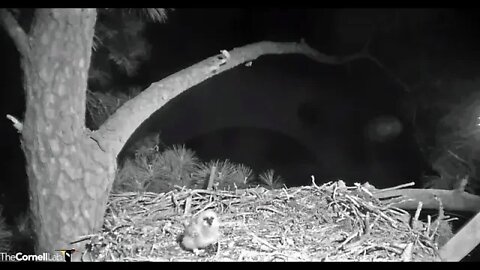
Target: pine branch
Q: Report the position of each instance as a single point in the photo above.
(158, 15)
(15, 31)
(159, 93)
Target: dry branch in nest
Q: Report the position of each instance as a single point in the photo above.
(331, 222)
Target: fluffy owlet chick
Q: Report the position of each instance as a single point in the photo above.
(203, 230)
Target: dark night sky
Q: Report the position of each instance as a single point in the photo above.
(418, 45)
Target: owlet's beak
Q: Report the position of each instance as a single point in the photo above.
(209, 220)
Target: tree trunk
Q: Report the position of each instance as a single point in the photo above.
(69, 176)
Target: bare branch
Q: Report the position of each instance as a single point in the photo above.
(118, 128)
(20, 38)
(16, 124)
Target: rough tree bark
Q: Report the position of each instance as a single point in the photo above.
(69, 177)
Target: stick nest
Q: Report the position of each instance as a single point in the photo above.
(331, 222)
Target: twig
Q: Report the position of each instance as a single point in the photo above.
(262, 241)
(175, 202)
(212, 177)
(83, 238)
(218, 249)
(349, 238)
(395, 187)
(270, 209)
(419, 209)
(441, 215)
(429, 223)
(374, 222)
(367, 223)
(16, 124)
(456, 156)
(210, 204)
(415, 222)
(188, 205)
(288, 196)
(313, 181)
(407, 253)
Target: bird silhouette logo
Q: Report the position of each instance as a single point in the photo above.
(67, 254)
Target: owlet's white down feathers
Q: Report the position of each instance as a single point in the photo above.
(202, 231)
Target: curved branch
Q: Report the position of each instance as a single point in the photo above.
(118, 128)
(15, 31)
